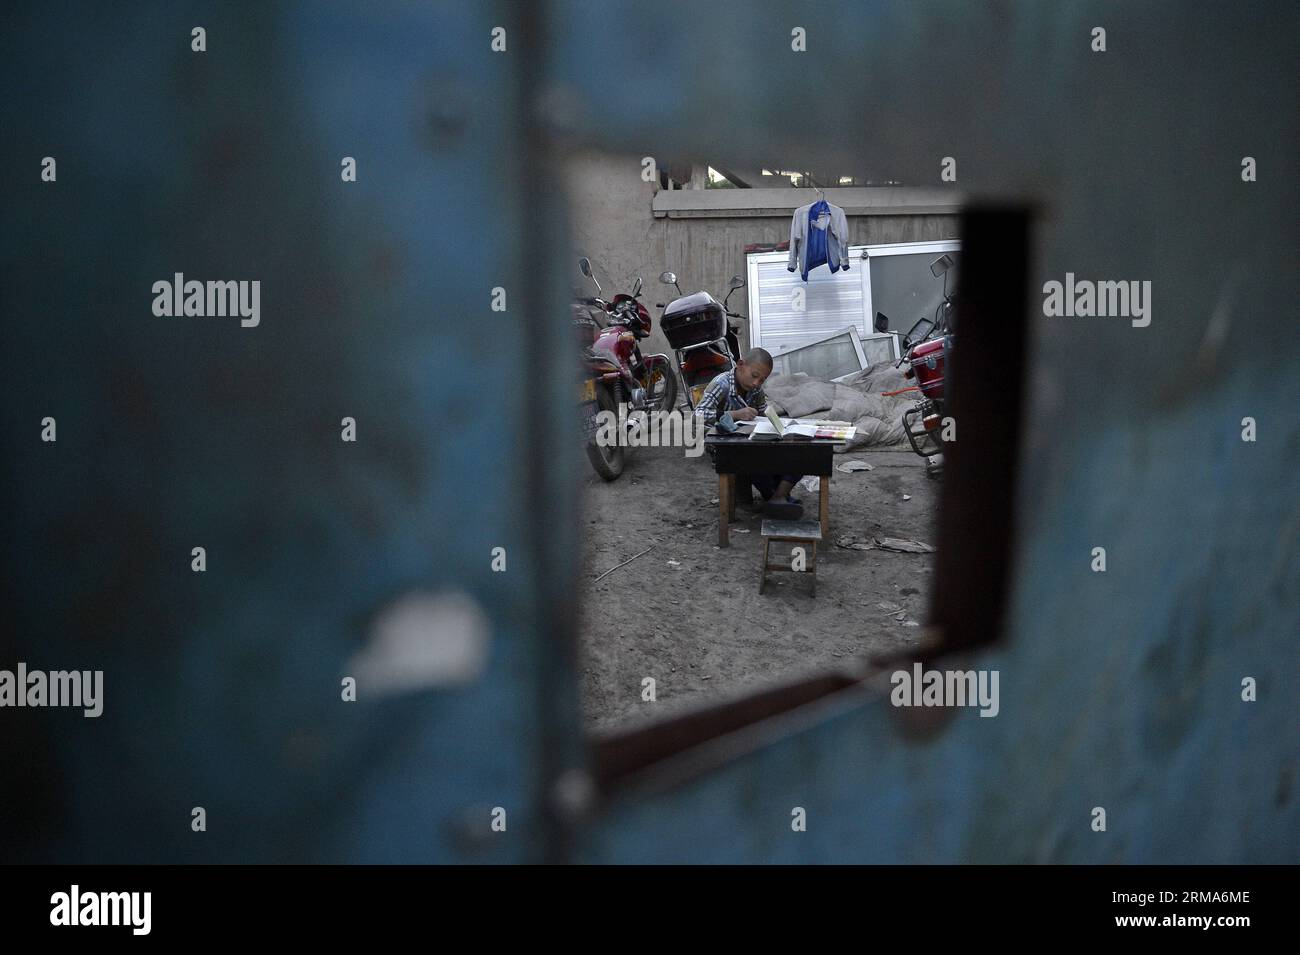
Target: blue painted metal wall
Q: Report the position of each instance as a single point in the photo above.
(223, 688)
(1122, 689)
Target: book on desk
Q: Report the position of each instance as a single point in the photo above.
(774, 428)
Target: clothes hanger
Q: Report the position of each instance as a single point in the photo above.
(821, 193)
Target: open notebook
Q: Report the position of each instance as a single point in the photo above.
(772, 428)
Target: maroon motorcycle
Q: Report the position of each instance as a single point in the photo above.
(620, 379)
(926, 349)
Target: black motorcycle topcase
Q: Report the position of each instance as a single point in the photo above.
(693, 320)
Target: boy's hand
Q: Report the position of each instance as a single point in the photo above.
(744, 414)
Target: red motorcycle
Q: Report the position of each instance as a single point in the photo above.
(926, 348)
(621, 379)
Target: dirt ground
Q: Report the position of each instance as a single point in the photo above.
(699, 627)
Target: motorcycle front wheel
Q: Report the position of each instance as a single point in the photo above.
(607, 462)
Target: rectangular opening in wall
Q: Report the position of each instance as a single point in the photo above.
(677, 643)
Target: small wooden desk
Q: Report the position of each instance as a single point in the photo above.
(736, 454)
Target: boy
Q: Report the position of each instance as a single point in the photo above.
(738, 394)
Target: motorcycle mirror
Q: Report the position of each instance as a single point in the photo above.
(941, 265)
(736, 282)
(668, 278)
(584, 263)
(882, 322)
(636, 287)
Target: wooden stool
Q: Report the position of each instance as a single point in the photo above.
(797, 532)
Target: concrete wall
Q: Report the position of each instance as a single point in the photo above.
(617, 225)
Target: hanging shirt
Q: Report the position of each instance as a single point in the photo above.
(819, 220)
(819, 235)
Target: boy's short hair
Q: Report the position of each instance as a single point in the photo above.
(758, 356)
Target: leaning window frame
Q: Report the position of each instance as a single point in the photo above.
(856, 337)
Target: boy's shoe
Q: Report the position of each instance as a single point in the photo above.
(787, 510)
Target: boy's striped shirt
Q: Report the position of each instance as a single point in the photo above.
(722, 395)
